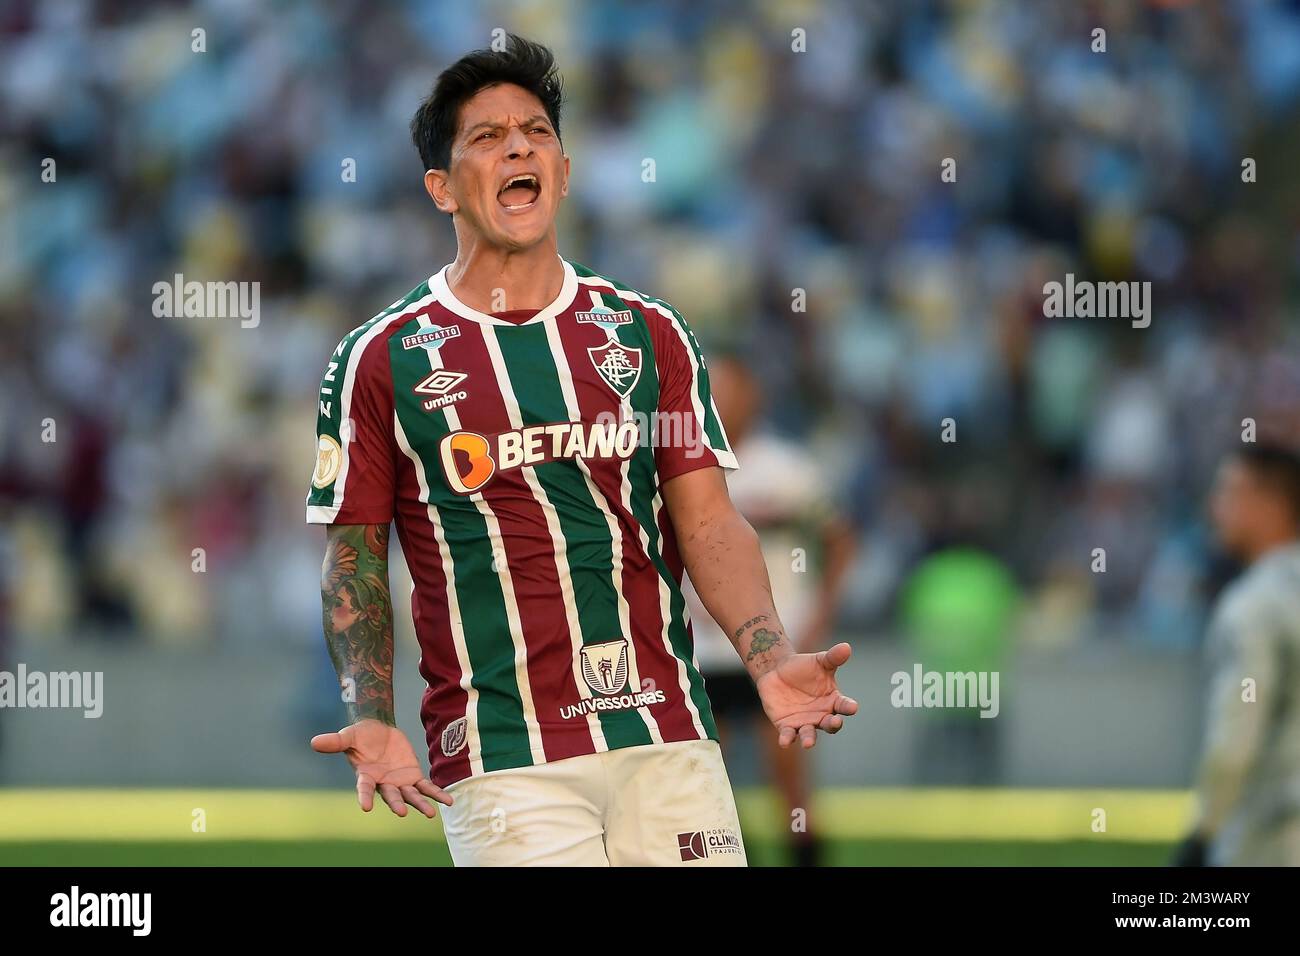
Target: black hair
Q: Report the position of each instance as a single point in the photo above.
(1276, 467)
(522, 62)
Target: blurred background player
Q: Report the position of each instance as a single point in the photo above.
(808, 546)
(1248, 800)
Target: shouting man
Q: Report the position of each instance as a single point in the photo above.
(545, 440)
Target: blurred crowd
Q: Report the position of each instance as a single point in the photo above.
(152, 470)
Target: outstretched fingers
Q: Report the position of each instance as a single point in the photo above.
(430, 789)
(365, 791)
(393, 797)
(416, 799)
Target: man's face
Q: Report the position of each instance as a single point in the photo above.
(1241, 508)
(508, 172)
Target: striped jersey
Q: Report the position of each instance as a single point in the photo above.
(522, 463)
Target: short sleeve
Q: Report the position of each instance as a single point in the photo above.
(685, 399)
(353, 482)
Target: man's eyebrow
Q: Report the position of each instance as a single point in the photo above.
(536, 118)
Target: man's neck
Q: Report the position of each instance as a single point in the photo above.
(1266, 547)
(491, 279)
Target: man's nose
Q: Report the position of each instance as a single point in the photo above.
(517, 144)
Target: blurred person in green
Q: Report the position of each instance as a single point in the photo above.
(958, 609)
(1248, 785)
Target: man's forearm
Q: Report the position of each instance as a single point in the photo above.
(723, 558)
(358, 618)
(1225, 766)
(1235, 727)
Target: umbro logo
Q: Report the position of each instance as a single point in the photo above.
(440, 385)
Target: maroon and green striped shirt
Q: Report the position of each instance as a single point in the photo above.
(522, 460)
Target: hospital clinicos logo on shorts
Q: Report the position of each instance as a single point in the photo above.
(702, 844)
(454, 736)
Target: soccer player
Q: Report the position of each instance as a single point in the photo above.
(1248, 807)
(545, 440)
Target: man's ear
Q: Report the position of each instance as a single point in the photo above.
(564, 187)
(439, 189)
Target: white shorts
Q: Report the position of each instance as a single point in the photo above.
(656, 805)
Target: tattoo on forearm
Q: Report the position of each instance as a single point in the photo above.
(358, 618)
(747, 625)
(765, 635)
(763, 640)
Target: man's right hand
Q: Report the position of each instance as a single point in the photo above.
(385, 761)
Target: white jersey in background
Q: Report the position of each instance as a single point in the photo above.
(782, 494)
(1249, 786)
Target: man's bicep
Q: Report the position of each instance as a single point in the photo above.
(689, 433)
(354, 574)
(352, 549)
(693, 496)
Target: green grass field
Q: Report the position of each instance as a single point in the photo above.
(861, 827)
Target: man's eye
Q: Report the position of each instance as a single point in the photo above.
(485, 134)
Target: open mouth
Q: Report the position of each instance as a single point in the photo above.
(519, 192)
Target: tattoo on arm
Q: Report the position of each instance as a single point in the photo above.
(762, 639)
(358, 618)
(747, 625)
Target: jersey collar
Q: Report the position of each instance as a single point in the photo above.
(442, 293)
